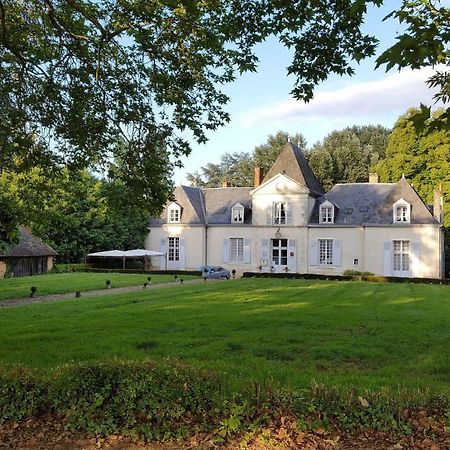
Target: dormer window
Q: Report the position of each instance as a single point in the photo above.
(237, 213)
(402, 211)
(326, 212)
(174, 213)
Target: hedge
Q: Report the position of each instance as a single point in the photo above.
(373, 278)
(160, 402)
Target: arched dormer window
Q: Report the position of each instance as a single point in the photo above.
(326, 212)
(174, 213)
(237, 213)
(401, 211)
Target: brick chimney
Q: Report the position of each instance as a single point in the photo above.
(258, 176)
(438, 204)
(226, 184)
(373, 177)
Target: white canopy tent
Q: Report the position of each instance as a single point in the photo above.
(130, 254)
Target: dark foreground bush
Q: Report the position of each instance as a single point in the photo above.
(172, 401)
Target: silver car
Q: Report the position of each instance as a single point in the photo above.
(215, 272)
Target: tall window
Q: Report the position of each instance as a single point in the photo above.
(326, 251)
(174, 249)
(279, 213)
(237, 214)
(236, 250)
(401, 256)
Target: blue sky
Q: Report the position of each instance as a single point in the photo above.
(261, 103)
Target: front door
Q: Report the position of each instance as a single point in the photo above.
(173, 254)
(279, 255)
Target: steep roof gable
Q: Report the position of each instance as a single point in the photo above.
(280, 184)
(292, 162)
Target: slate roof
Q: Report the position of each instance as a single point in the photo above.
(208, 205)
(292, 162)
(219, 202)
(29, 246)
(372, 203)
(190, 200)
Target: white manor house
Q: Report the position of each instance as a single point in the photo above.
(287, 223)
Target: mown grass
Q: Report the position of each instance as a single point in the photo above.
(62, 283)
(282, 332)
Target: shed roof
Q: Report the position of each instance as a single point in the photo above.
(29, 246)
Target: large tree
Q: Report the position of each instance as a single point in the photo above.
(423, 157)
(80, 74)
(237, 169)
(346, 156)
(75, 212)
(424, 42)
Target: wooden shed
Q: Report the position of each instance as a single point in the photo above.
(31, 256)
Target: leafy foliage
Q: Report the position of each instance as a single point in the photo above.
(238, 168)
(75, 212)
(423, 157)
(9, 219)
(78, 77)
(346, 156)
(160, 402)
(425, 42)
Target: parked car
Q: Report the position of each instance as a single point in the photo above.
(215, 272)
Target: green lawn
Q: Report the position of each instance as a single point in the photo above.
(368, 335)
(62, 283)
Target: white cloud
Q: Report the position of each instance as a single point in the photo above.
(394, 93)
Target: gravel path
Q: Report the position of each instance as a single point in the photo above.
(14, 302)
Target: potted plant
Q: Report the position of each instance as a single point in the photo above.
(149, 279)
(145, 285)
(233, 273)
(77, 294)
(33, 291)
(108, 284)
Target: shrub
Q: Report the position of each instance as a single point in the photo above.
(64, 268)
(21, 396)
(351, 272)
(153, 401)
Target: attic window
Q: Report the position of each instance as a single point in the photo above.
(402, 212)
(237, 213)
(326, 213)
(174, 213)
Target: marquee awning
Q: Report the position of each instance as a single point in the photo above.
(136, 253)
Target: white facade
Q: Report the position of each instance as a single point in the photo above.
(285, 227)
